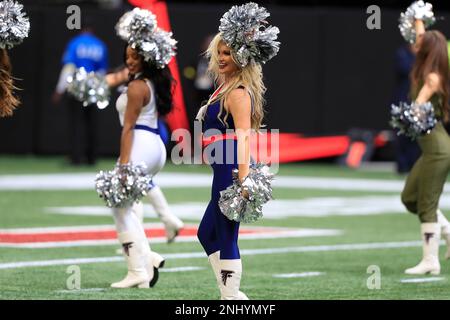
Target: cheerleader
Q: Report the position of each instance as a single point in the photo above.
(236, 105)
(155, 196)
(424, 185)
(15, 27)
(148, 94)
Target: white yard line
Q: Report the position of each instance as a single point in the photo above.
(245, 252)
(298, 275)
(85, 181)
(276, 209)
(58, 229)
(420, 280)
(181, 269)
(88, 290)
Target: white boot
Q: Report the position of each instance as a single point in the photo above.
(230, 279)
(430, 261)
(445, 231)
(138, 210)
(214, 260)
(135, 257)
(154, 262)
(171, 222)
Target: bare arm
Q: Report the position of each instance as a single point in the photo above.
(420, 30)
(239, 105)
(430, 87)
(117, 78)
(135, 103)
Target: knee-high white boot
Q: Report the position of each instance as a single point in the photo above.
(171, 222)
(135, 257)
(445, 231)
(230, 277)
(431, 236)
(138, 210)
(153, 261)
(214, 260)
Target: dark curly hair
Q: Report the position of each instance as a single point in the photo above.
(163, 83)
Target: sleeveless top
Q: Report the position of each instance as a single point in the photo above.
(149, 114)
(212, 120)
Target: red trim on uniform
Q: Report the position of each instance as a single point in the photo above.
(219, 137)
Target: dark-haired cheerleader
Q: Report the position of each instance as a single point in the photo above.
(148, 95)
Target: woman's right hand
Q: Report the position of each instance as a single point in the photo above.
(423, 10)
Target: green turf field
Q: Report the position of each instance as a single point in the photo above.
(320, 267)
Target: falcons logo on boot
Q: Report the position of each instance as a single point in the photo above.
(428, 236)
(126, 247)
(225, 275)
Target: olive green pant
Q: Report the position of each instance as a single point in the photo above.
(425, 183)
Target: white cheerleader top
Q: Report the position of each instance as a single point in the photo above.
(149, 114)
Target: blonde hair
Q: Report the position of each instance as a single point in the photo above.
(250, 77)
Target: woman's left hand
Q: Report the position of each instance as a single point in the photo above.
(244, 192)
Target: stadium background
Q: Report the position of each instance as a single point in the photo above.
(329, 225)
(332, 74)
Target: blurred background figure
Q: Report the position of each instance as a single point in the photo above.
(87, 51)
(203, 83)
(406, 151)
(200, 82)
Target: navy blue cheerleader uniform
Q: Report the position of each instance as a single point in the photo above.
(216, 232)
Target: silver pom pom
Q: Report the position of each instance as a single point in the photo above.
(258, 185)
(89, 88)
(14, 25)
(417, 10)
(243, 28)
(413, 120)
(139, 28)
(123, 185)
(166, 48)
(136, 21)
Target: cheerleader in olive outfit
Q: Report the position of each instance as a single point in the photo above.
(234, 109)
(424, 185)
